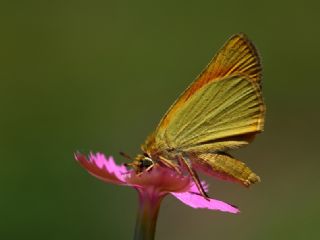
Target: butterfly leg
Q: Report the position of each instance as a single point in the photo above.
(195, 177)
(170, 164)
(148, 169)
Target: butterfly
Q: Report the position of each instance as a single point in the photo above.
(221, 110)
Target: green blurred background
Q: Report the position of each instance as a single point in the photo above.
(98, 75)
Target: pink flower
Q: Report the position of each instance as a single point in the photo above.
(154, 185)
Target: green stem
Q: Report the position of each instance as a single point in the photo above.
(149, 205)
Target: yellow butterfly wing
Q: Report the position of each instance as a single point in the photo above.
(222, 109)
(225, 167)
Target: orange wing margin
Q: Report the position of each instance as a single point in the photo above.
(237, 57)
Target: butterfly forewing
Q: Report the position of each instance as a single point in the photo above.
(224, 103)
(216, 117)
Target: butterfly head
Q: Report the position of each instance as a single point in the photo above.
(141, 163)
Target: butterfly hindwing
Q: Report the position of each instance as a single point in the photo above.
(224, 166)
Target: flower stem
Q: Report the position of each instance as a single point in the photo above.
(149, 205)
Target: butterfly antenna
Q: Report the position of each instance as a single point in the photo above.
(126, 156)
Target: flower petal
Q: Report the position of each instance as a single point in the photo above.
(195, 200)
(101, 167)
(194, 188)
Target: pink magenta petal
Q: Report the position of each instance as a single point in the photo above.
(197, 201)
(193, 199)
(101, 167)
(194, 189)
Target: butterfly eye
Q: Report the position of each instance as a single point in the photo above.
(146, 162)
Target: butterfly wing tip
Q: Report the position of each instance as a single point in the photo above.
(252, 178)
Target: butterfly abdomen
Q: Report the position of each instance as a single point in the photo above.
(224, 167)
